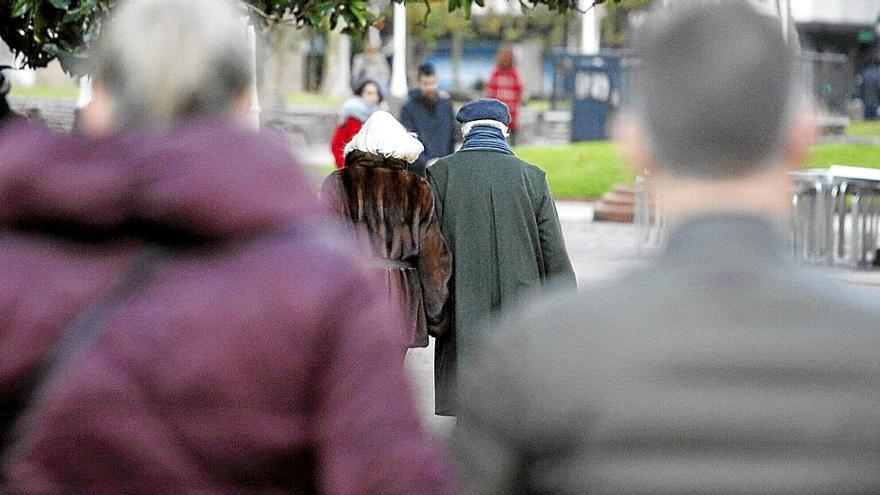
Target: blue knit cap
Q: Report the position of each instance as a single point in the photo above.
(484, 109)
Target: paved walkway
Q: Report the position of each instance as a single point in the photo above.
(598, 251)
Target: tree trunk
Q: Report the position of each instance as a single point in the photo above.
(337, 65)
(286, 64)
(457, 52)
(331, 53)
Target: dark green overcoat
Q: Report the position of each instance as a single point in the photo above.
(501, 227)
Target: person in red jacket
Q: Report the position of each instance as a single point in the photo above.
(505, 85)
(355, 111)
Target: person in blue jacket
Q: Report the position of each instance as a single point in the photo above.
(870, 89)
(429, 114)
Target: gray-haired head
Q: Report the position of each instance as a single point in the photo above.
(161, 61)
(715, 89)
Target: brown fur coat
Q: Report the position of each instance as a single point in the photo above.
(392, 211)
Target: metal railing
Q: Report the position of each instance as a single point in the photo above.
(836, 217)
(648, 217)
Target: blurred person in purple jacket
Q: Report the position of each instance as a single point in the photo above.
(235, 368)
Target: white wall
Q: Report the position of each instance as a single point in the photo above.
(766, 6)
(836, 11)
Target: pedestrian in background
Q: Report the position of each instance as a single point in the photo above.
(870, 89)
(355, 111)
(722, 367)
(392, 211)
(429, 115)
(500, 224)
(215, 334)
(506, 86)
(7, 114)
(372, 65)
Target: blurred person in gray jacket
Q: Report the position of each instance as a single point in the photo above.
(722, 367)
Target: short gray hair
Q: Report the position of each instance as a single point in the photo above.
(161, 61)
(715, 88)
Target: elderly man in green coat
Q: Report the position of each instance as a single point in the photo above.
(500, 224)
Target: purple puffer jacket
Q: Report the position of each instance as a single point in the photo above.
(259, 361)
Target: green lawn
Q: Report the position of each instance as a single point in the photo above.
(313, 99)
(864, 129)
(68, 92)
(857, 155)
(587, 170)
(577, 171)
(581, 170)
(323, 171)
(544, 105)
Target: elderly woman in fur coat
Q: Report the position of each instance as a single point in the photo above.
(392, 211)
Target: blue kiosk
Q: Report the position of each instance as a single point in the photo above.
(595, 85)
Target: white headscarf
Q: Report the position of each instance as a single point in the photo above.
(383, 135)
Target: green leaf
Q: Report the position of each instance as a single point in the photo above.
(74, 23)
(88, 7)
(20, 8)
(360, 16)
(60, 4)
(72, 16)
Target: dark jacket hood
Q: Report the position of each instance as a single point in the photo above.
(204, 179)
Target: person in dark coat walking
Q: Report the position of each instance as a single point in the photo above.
(500, 223)
(870, 89)
(260, 358)
(429, 115)
(722, 367)
(392, 213)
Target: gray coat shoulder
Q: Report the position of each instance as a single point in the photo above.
(466, 158)
(531, 170)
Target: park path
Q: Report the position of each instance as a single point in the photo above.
(599, 251)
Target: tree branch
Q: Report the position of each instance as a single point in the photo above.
(424, 22)
(584, 11)
(256, 10)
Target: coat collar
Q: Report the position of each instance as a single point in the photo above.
(726, 239)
